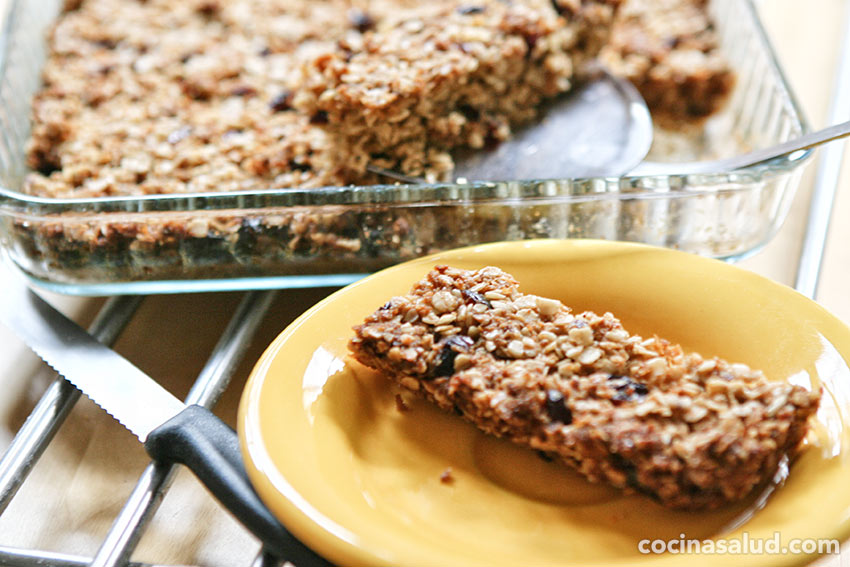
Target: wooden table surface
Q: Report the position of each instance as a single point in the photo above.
(80, 484)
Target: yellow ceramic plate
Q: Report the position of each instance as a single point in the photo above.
(364, 483)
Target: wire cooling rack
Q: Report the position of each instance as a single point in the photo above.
(56, 403)
(127, 528)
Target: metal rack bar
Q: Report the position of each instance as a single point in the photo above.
(14, 557)
(826, 182)
(140, 507)
(55, 405)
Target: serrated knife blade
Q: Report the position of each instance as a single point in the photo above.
(110, 380)
(171, 431)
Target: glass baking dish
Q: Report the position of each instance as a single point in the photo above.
(332, 236)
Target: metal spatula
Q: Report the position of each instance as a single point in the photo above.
(601, 128)
(749, 159)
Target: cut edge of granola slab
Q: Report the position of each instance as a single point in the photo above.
(449, 75)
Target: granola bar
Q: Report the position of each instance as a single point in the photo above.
(669, 50)
(450, 74)
(637, 413)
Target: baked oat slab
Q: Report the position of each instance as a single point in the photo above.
(209, 96)
(638, 413)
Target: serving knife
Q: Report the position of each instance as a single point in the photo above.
(171, 431)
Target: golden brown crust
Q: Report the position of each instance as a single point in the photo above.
(637, 413)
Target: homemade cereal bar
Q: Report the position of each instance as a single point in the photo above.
(449, 74)
(669, 50)
(637, 413)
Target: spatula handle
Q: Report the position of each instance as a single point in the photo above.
(210, 448)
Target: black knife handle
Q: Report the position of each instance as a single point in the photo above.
(210, 448)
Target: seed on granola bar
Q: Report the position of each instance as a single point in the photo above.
(639, 414)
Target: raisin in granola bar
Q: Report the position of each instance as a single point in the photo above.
(690, 431)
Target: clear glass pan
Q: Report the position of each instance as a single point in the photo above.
(331, 236)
